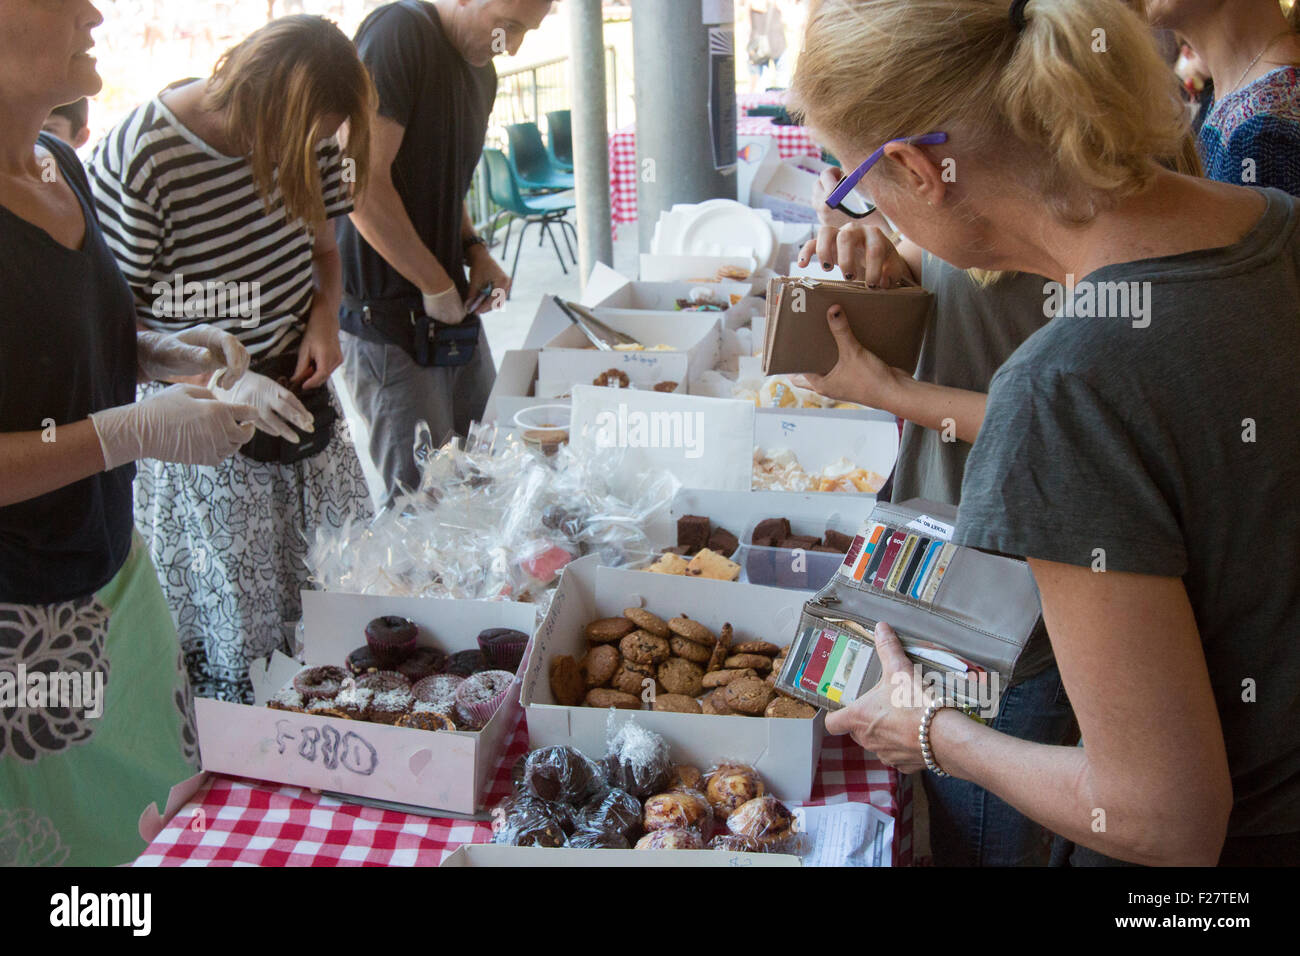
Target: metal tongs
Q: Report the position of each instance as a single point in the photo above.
(586, 320)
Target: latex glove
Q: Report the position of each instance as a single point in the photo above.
(274, 404)
(183, 423)
(197, 351)
(446, 306)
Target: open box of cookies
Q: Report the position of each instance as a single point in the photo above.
(421, 723)
(691, 659)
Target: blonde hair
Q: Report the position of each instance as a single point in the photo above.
(276, 88)
(1079, 100)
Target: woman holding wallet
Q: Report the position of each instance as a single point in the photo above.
(96, 720)
(217, 198)
(1109, 435)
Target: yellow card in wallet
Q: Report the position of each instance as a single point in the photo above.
(888, 322)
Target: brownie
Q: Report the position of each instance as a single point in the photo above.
(837, 541)
(693, 531)
(772, 531)
(804, 542)
(827, 550)
(723, 541)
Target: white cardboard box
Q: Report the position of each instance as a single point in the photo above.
(611, 289)
(819, 437)
(784, 751)
(419, 768)
(736, 511)
(558, 370)
(786, 187)
(697, 334)
(490, 854)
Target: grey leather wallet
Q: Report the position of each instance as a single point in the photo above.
(970, 620)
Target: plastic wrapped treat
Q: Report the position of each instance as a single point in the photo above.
(613, 810)
(685, 809)
(638, 761)
(561, 775)
(671, 838)
(526, 821)
(730, 785)
(768, 822)
(586, 838)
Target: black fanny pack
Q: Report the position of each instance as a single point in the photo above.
(402, 322)
(272, 448)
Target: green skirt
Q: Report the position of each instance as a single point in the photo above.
(101, 726)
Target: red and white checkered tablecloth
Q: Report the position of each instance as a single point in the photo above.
(747, 101)
(790, 140)
(238, 822)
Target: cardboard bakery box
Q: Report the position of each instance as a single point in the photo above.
(608, 288)
(490, 854)
(823, 438)
(696, 334)
(514, 388)
(435, 771)
(786, 187)
(558, 370)
(785, 752)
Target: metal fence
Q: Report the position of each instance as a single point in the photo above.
(526, 95)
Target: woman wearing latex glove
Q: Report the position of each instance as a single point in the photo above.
(78, 594)
(223, 211)
(199, 351)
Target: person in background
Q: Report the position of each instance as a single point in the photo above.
(1250, 134)
(407, 245)
(1106, 437)
(233, 183)
(70, 123)
(79, 599)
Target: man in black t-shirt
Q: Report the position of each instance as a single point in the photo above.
(406, 247)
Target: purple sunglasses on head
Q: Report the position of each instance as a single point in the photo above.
(836, 199)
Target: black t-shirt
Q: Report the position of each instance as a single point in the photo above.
(444, 103)
(67, 348)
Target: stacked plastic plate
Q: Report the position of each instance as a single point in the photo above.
(720, 228)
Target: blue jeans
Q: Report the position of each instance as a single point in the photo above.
(970, 826)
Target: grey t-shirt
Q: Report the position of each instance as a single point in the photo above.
(972, 330)
(1174, 448)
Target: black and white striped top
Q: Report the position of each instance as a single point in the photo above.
(195, 241)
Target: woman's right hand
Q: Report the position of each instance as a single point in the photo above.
(863, 252)
(183, 423)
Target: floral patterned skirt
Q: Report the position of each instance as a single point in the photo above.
(230, 544)
(74, 780)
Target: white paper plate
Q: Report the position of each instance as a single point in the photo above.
(724, 224)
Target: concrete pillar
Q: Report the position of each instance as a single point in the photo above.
(590, 135)
(670, 44)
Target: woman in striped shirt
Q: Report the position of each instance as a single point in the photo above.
(217, 197)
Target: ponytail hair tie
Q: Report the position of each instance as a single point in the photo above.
(1018, 15)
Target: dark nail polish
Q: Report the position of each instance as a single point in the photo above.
(848, 276)
(826, 266)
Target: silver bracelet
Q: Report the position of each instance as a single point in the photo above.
(924, 735)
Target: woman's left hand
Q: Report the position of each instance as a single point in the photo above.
(886, 719)
(319, 353)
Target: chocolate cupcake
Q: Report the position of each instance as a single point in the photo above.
(423, 662)
(362, 661)
(639, 761)
(380, 682)
(386, 707)
(465, 663)
(613, 810)
(503, 647)
(319, 683)
(391, 639)
(437, 688)
(481, 694)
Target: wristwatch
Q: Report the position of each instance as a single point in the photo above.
(471, 242)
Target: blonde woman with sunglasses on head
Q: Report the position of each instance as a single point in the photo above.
(1110, 434)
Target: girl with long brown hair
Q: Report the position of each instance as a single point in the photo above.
(218, 198)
